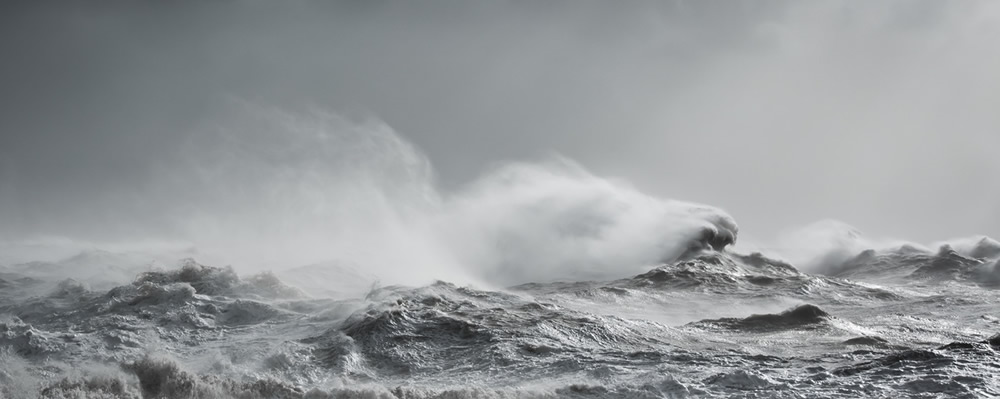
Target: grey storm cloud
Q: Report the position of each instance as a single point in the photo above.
(881, 114)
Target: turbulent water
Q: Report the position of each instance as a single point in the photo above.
(886, 323)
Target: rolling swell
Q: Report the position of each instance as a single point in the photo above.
(445, 328)
(202, 331)
(800, 317)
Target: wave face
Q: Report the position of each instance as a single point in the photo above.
(899, 322)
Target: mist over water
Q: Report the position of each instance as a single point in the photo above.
(263, 187)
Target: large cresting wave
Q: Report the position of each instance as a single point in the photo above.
(266, 188)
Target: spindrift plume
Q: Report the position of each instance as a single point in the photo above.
(267, 188)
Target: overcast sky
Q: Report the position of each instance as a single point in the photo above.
(885, 115)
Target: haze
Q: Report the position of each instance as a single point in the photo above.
(880, 114)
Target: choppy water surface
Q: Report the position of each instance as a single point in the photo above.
(890, 323)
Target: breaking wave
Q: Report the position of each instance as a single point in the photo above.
(363, 278)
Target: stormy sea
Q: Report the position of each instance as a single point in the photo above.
(902, 321)
(250, 199)
(315, 257)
